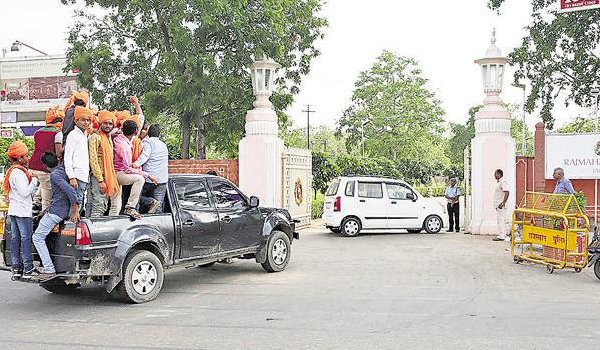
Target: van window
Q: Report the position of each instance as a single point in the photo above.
(397, 191)
(350, 188)
(333, 188)
(370, 190)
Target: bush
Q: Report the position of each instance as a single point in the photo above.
(317, 206)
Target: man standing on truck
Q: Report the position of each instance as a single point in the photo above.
(64, 197)
(76, 156)
(126, 173)
(78, 98)
(104, 185)
(19, 186)
(46, 139)
(155, 161)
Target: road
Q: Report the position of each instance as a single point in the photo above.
(375, 291)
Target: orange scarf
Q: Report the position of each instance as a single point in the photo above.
(6, 184)
(110, 175)
(137, 149)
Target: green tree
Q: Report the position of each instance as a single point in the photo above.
(395, 114)
(189, 58)
(578, 125)
(559, 53)
(324, 170)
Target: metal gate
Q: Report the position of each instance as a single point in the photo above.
(297, 185)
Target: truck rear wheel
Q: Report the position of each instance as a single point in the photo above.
(279, 250)
(142, 277)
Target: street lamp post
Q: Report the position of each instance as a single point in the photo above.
(595, 92)
(16, 46)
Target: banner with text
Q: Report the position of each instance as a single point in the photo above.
(577, 154)
(578, 5)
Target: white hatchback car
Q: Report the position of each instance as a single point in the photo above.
(355, 203)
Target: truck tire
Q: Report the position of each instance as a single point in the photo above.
(142, 277)
(279, 250)
(59, 287)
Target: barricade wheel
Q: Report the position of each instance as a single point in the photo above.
(517, 260)
(549, 269)
(578, 269)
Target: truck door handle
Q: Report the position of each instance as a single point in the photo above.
(226, 218)
(393, 202)
(362, 201)
(188, 223)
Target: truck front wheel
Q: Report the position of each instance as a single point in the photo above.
(142, 277)
(279, 250)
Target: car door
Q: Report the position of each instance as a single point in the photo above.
(403, 211)
(371, 205)
(241, 225)
(199, 220)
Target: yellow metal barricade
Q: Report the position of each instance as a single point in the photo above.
(550, 229)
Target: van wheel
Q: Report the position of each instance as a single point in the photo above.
(279, 250)
(350, 227)
(142, 277)
(433, 224)
(59, 287)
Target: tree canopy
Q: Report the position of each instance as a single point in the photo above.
(559, 54)
(190, 58)
(396, 115)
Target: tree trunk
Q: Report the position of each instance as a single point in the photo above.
(185, 142)
(200, 138)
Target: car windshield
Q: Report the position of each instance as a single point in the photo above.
(333, 188)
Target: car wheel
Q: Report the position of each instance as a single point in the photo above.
(335, 230)
(142, 277)
(279, 250)
(60, 287)
(597, 269)
(433, 224)
(417, 230)
(351, 227)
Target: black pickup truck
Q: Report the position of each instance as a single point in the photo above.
(205, 219)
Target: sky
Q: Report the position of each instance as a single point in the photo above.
(445, 37)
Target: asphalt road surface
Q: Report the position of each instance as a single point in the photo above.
(375, 291)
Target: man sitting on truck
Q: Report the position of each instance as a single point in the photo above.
(104, 185)
(64, 197)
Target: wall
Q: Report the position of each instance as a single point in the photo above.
(227, 168)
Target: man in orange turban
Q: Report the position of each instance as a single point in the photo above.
(19, 186)
(78, 98)
(46, 139)
(103, 181)
(76, 157)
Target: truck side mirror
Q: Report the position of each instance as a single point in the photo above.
(254, 202)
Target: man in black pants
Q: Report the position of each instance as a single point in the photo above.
(452, 194)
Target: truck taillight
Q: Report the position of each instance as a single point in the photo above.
(337, 204)
(82, 235)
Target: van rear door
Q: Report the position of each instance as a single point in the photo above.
(330, 196)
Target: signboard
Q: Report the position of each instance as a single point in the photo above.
(578, 5)
(549, 238)
(577, 154)
(6, 133)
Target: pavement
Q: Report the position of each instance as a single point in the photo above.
(375, 291)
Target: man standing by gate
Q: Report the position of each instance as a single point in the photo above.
(501, 194)
(563, 185)
(452, 194)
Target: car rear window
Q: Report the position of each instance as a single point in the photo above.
(333, 188)
(350, 188)
(370, 190)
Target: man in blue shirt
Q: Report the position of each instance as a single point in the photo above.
(563, 185)
(452, 194)
(64, 197)
(155, 161)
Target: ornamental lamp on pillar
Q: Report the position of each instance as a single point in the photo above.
(492, 71)
(492, 147)
(263, 78)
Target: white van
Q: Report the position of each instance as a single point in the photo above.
(355, 203)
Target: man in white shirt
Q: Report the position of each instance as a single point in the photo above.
(76, 156)
(501, 194)
(20, 186)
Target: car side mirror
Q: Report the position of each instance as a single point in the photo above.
(411, 196)
(254, 202)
